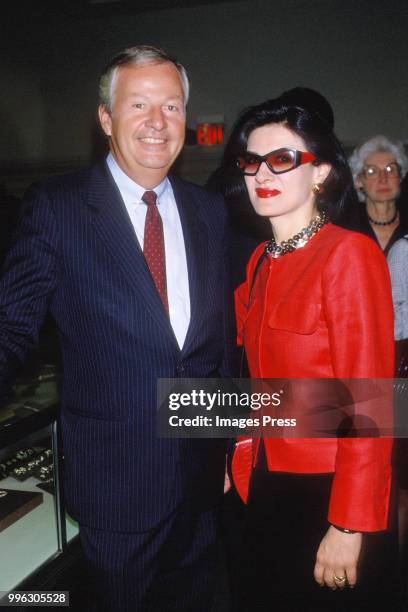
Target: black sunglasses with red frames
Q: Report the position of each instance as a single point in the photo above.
(278, 161)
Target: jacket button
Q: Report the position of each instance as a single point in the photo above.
(180, 369)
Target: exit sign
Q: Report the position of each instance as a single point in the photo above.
(210, 130)
(210, 134)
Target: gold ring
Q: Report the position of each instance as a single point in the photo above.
(340, 579)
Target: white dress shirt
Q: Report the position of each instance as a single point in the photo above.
(176, 263)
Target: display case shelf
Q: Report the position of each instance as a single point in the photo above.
(34, 528)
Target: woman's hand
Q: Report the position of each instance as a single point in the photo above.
(227, 480)
(338, 556)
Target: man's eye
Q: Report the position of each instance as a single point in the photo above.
(172, 107)
(138, 105)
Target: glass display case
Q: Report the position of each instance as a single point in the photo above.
(34, 528)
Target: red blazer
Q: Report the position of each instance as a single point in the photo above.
(325, 310)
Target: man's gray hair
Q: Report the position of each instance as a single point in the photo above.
(377, 143)
(142, 54)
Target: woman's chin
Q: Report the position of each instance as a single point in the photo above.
(267, 209)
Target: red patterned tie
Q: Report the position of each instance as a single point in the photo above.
(153, 246)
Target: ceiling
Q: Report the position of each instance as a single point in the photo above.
(148, 5)
(28, 13)
(108, 7)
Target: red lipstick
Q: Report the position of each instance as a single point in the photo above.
(261, 192)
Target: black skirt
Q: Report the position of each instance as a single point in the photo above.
(286, 518)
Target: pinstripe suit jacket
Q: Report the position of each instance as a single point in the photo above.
(76, 254)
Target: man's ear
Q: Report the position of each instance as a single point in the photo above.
(105, 119)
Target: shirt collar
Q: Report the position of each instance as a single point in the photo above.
(130, 191)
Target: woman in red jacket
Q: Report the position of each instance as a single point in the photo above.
(317, 305)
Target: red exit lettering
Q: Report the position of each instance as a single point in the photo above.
(210, 134)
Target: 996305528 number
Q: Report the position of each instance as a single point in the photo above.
(34, 598)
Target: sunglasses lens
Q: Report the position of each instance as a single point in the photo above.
(281, 161)
(249, 164)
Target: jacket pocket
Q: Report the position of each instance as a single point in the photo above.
(295, 316)
(91, 415)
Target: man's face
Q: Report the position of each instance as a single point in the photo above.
(146, 127)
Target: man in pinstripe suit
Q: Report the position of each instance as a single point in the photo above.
(145, 506)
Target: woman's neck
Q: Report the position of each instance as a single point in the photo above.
(286, 226)
(381, 211)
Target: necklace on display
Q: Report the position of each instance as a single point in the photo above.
(390, 222)
(298, 240)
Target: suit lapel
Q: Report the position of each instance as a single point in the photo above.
(195, 240)
(112, 223)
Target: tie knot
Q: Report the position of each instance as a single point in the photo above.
(149, 197)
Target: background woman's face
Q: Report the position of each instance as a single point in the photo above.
(274, 195)
(381, 187)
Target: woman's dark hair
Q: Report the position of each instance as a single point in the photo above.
(309, 115)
